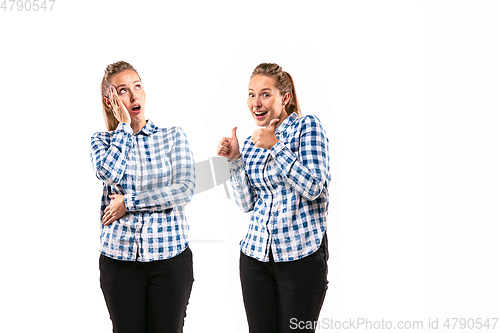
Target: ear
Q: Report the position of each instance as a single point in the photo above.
(286, 98)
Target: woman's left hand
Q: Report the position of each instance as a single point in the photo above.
(115, 210)
(265, 137)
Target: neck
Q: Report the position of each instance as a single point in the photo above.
(137, 126)
(283, 116)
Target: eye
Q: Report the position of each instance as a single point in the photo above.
(267, 95)
(122, 91)
(251, 95)
(138, 87)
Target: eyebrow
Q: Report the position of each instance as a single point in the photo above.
(261, 89)
(126, 84)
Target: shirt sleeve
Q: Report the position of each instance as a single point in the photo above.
(308, 170)
(109, 157)
(242, 190)
(179, 192)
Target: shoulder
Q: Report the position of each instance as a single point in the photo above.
(309, 123)
(170, 131)
(309, 120)
(172, 135)
(309, 129)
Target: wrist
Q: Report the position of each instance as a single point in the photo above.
(124, 127)
(273, 144)
(232, 159)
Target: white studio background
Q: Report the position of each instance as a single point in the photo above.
(407, 91)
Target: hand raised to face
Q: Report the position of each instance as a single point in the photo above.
(265, 137)
(119, 110)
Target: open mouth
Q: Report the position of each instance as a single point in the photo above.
(260, 114)
(136, 108)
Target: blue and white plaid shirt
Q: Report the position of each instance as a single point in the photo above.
(286, 188)
(154, 170)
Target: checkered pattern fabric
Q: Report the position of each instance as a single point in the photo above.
(286, 189)
(154, 170)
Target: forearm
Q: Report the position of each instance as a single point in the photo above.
(307, 169)
(309, 183)
(173, 192)
(109, 158)
(242, 190)
(160, 199)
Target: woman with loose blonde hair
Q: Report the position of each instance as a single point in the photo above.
(146, 267)
(110, 71)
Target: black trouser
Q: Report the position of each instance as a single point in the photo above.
(147, 297)
(281, 297)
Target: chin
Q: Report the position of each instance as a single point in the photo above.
(262, 122)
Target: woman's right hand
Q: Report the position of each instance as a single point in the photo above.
(229, 147)
(119, 110)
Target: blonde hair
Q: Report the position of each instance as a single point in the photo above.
(110, 71)
(284, 83)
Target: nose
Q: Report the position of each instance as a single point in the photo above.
(257, 102)
(133, 96)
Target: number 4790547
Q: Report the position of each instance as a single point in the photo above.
(27, 5)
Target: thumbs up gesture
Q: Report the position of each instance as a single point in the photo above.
(265, 137)
(229, 147)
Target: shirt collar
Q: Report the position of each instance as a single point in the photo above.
(148, 129)
(286, 122)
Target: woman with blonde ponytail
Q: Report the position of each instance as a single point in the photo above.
(281, 176)
(146, 267)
